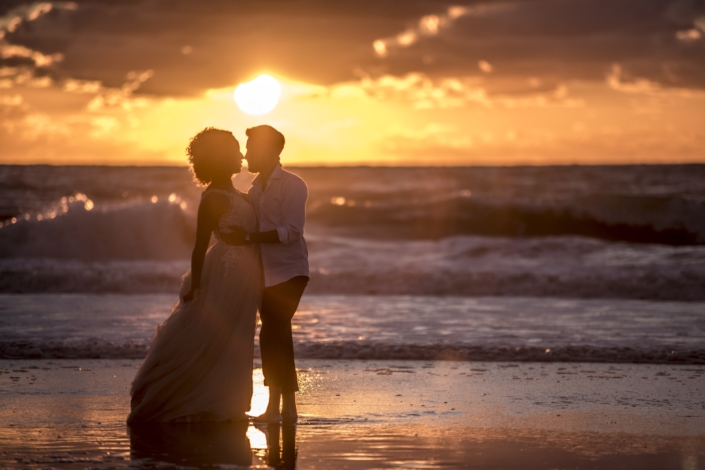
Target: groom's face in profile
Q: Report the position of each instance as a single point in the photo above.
(258, 155)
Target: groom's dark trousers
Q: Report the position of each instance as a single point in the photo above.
(279, 304)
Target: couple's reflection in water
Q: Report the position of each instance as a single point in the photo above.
(210, 444)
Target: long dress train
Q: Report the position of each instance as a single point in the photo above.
(199, 365)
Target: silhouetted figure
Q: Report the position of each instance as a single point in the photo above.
(279, 198)
(199, 365)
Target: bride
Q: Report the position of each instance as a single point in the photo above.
(199, 365)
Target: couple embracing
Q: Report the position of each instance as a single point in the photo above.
(199, 365)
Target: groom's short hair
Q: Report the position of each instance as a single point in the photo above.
(268, 134)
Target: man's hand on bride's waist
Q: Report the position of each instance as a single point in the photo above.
(239, 236)
(235, 236)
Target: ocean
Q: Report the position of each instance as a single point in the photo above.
(571, 263)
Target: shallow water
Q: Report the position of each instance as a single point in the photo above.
(380, 327)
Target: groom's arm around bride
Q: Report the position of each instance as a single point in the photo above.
(279, 198)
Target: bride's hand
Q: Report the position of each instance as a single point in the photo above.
(188, 297)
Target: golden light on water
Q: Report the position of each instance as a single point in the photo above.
(258, 96)
(260, 394)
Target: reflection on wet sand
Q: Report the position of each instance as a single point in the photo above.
(346, 445)
(372, 414)
(283, 457)
(207, 444)
(192, 444)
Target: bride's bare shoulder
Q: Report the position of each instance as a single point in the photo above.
(214, 200)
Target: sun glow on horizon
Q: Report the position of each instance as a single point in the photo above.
(409, 120)
(258, 96)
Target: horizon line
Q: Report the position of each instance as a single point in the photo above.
(373, 165)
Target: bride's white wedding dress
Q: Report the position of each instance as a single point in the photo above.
(199, 365)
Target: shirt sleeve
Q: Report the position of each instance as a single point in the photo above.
(294, 195)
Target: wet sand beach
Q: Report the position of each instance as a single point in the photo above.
(372, 414)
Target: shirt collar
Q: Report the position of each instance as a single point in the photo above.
(276, 174)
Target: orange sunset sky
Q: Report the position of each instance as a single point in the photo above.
(366, 82)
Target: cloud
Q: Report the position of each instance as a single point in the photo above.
(557, 41)
(196, 46)
(82, 86)
(10, 100)
(113, 97)
(428, 25)
(25, 68)
(693, 34)
(485, 66)
(423, 92)
(20, 64)
(617, 81)
(11, 51)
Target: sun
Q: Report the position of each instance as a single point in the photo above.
(258, 96)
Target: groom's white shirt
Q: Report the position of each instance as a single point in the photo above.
(282, 207)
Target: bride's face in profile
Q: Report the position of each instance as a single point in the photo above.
(238, 157)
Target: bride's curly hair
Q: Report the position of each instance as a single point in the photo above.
(212, 152)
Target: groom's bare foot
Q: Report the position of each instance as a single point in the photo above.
(271, 414)
(268, 417)
(289, 416)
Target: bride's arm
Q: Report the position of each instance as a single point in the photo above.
(212, 206)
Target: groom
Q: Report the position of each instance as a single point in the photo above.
(279, 199)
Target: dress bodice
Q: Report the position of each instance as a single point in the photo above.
(240, 213)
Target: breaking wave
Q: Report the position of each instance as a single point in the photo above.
(633, 219)
(628, 232)
(474, 266)
(76, 228)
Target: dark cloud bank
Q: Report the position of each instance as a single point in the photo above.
(192, 46)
